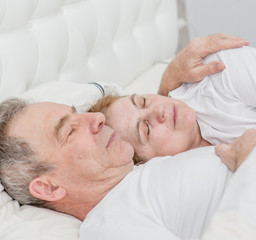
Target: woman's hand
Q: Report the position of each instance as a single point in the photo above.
(188, 65)
(234, 154)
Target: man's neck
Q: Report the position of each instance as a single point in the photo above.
(78, 210)
(79, 204)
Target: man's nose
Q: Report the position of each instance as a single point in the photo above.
(95, 120)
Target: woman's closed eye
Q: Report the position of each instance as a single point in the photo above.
(142, 102)
(147, 129)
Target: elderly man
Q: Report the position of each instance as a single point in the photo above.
(54, 157)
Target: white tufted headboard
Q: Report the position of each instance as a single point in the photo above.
(82, 40)
(120, 41)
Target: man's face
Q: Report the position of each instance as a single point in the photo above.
(87, 153)
(154, 125)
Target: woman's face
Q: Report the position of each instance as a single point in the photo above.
(154, 125)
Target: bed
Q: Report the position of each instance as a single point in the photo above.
(53, 50)
(74, 52)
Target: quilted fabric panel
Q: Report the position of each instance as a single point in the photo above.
(82, 40)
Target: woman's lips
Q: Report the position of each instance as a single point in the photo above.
(174, 116)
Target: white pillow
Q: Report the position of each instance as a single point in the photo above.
(149, 81)
(30, 223)
(80, 95)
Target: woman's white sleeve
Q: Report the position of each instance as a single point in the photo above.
(240, 72)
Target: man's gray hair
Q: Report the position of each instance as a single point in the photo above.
(19, 163)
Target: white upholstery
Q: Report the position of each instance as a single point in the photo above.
(82, 40)
(148, 81)
(111, 41)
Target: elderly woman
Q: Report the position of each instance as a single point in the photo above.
(217, 109)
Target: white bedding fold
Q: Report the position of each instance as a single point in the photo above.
(236, 216)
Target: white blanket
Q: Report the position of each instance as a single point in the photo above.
(148, 209)
(236, 216)
(166, 197)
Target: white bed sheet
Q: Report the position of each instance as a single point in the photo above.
(27, 222)
(148, 81)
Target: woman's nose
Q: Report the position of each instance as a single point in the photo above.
(158, 114)
(95, 120)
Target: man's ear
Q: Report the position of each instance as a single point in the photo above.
(43, 189)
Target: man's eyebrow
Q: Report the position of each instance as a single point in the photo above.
(62, 122)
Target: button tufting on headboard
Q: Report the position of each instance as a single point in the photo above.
(82, 40)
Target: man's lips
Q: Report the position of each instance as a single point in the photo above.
(112, 137)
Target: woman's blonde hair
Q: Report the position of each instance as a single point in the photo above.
(101, 106)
